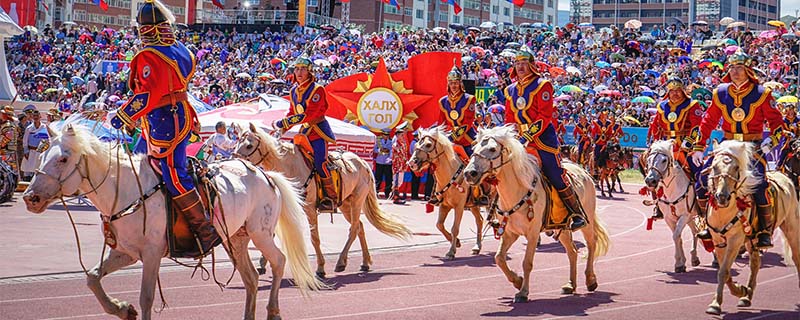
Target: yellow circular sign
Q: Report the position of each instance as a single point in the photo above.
(453, 114)
(737, 114)
(380, 109)
(672, 116)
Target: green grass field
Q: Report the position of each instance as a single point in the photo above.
(631, 176)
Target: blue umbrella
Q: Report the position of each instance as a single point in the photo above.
(602, 64)
(650, 94)
(539, 25)
(101, 132)
(684, 59)
(78, 80)
(585, 25)
(651, 72)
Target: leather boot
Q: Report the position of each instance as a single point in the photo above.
(328, 201)
(764, 232)
(573, 205)
(192, 208)
(702, 210)
(657, 214)
(479, 196)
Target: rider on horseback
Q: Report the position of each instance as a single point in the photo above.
(529, 105)
(678, 118)
(601, 132)
(583, 135)
(744, 105)
(309, 103)
(792, 125)
(160, 75)
(458, 115)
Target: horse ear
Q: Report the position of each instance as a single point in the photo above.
(252, 127)
(70, 130)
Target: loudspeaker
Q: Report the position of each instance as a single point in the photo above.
(469, 86)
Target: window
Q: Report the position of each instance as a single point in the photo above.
(549, 19)
(772, 9)
(549, 3)
(506, 12)
(442, 15)
(420, 14)
(456, 19)
(313, 3)
(390, 9)
(407, 11)
(495, 9)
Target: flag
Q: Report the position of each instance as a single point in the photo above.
(46, 8)
(301, 13)
(345, 1)
(219, 3)
(393, 2)
(456, 7)
(518, 3)
(102, 3)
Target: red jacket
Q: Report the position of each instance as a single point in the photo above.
(684, 122)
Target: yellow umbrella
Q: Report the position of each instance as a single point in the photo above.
(787, 99)
(773, 85)
(776, 23)
(632, 120)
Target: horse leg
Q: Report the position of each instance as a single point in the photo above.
(113, 261)
(355, 226)
(693, 228)
(572, 253)
(454, 231)
(791, 237)
(311, 214)
(609, 178)
(726, 257)
(366, 258)
(443, 211)
(619, 182)
(265, 243)
(527, 267)
(151, 262)
(747, 292)
(237, 247)
(506, 240)
(476, 212)
(677, 233)
(590, 236)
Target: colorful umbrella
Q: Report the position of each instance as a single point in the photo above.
(563, 97)
(488, 72)
(602, 64)
(729, 42)
(633, 24)
(613, 93)
(643, 99)
(768, 34)
(776, 23)
(478, 50)
(542, 66)
(729, 50)
(555, 71)
(773, 85)
(276, 61)
(787, 99)
(701, 94)
(497, 108)
(571, 88)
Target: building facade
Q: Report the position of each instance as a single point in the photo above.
(603, 13)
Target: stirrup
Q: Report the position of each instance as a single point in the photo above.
(577, 222)
(763, 241)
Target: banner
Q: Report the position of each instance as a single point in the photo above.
(484, 93)
(301, 13)
(636, 137)
(21, 12)
(106, 66)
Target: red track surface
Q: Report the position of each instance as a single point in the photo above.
(410, 280)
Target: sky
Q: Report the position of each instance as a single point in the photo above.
(787, 6)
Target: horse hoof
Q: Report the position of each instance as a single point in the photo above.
(261, 271)
(567, 289)
(274, 317)
(743, 303)
(520, 299)
(339, 268)
(321, 275)
(458, 243)
(592, 287)
(680, 269)
(476, 250)
(715, 265)
(364, 268)
(131, 313)
(695, 261)
(450, 256)
(714, 310)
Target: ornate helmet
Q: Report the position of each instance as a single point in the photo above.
(525, 54)
(454, 74)
(302, 61)
(675, 83)
(155, 23)
(8, 110)
(741, 58)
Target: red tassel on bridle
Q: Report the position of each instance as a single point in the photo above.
(742, 204)
(660, 193)
(644, 191)
(712, 202)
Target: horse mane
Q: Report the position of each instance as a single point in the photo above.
(439, 134)
(273, 145)
(663, 147)
(742, 153)
(524, 166)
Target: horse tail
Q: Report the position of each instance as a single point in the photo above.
(290, 231)
(786, 212)
(601, 235)
(583, 181)
(385, 223)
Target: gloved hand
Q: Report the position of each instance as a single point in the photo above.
(697, 158)
(686, 145)
(766, 145)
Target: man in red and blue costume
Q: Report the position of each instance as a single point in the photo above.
(678, 118)
(792, 123)
(529, 106)
(308, 105)
(743, 105)
(160, 75)
(458, 116)
(583, 136)
(601, 132)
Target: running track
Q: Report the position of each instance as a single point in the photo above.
(409, 280)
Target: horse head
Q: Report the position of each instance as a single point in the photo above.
(791, 165)
(255, 146)
(432, 145)
(494, 149)
(658, 163)
(730, 176)
(59, 172)
(613, 150)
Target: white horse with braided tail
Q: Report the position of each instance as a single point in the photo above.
(259, 205)
(730, 182)
(522, 199)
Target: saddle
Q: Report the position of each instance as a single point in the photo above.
(334, 163)
(180, 239)
(555, 213)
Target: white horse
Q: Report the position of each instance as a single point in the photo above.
(358, 192)
(522, 202)
(730, 180)
(435, 149)
(678, 201)
(253, 201)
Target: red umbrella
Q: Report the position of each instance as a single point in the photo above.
(555, 71)
(614, 93)
(542, 66)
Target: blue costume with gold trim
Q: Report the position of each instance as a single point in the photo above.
(458, 115)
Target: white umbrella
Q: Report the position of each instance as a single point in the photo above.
(633, 24)
(507, 54)
(466, 59)
(32, 29)
(70, 23)
(244, 75)
(600, 87)
(322, 63)
(573, 70)
(737, 24)
(355, 32)
(726, 21)
(488, 25)
(439, 29)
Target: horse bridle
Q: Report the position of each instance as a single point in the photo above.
(257, 147)
(428, 158)
(74, 170)
(651, 166)
(738, 181)
(501, 156)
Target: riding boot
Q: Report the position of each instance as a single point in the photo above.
(573, 205)
(657, 214)
(479, 196)
(191, 207)
(702, 209)
(764, 232)
(328, 201)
